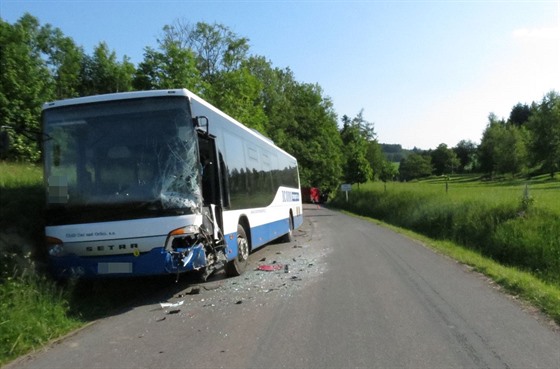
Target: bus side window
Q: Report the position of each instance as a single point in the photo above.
(224, 184)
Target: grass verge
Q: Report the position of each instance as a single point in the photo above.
(33, 310)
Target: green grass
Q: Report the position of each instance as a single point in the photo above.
(495, 226)
(33, 309)
(22, 202)
(21, 216)
(542, 189)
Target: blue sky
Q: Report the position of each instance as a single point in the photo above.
(424, 72)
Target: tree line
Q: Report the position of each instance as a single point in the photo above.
(39, 64)
(526, 143)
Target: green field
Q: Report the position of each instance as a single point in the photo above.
(545, 192)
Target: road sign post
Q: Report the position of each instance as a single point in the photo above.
(346, 187)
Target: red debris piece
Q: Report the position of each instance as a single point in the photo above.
(270, 267)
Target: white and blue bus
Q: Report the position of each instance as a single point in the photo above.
(156, 182)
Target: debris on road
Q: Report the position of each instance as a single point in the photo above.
(270, 267)
(165, 305)
(276, 272)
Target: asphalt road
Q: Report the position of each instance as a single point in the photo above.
(356, 295)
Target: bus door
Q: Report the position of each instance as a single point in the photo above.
(212, 187)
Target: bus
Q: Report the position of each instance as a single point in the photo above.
(157, 182)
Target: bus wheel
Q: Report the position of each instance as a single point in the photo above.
(238, 265)
(289, 237)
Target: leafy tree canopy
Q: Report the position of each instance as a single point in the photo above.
(544, 125)
(444, 160)
(415, 166)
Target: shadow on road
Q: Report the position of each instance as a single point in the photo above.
(91, 300)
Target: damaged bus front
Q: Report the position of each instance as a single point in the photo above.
(123, 174)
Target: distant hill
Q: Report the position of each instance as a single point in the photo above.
(394, 152)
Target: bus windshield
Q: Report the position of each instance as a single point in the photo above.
(120, 160)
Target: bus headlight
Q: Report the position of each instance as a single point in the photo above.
(185, 235)
(55, 247)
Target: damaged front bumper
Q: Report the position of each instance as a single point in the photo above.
(182, 260)
(142, 264)
(193, 248)
(189, 248)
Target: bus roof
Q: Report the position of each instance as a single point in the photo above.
(116, 96)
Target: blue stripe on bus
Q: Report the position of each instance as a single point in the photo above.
(148, 263)
(263, 234)
(154, 261)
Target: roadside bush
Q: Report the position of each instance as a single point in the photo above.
(475, 223)
(532, 242)
(33, 310)
(22, 203)
(508, 232)
(432, 219)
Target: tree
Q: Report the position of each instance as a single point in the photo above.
(511, 151)
(64, 60)
(102, 73)
(487, 152)
(466, 153)
(444, 160)
(393, 152)
(388, 171)
(238, 93)
(502, 148)
(356, 133)
(313, 137)
(365, 128)
(520, 114)
(25, 84)
(277, 98)
(169, 67)
(544, 126)
(415, 166)
(216, 47)
(218, 55)
(355, 146)
(376, 158)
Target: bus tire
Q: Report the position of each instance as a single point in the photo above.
(288, 237)
(238, 265)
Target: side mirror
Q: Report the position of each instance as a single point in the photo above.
(198, 125)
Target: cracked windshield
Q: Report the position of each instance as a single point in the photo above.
(136, 155)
